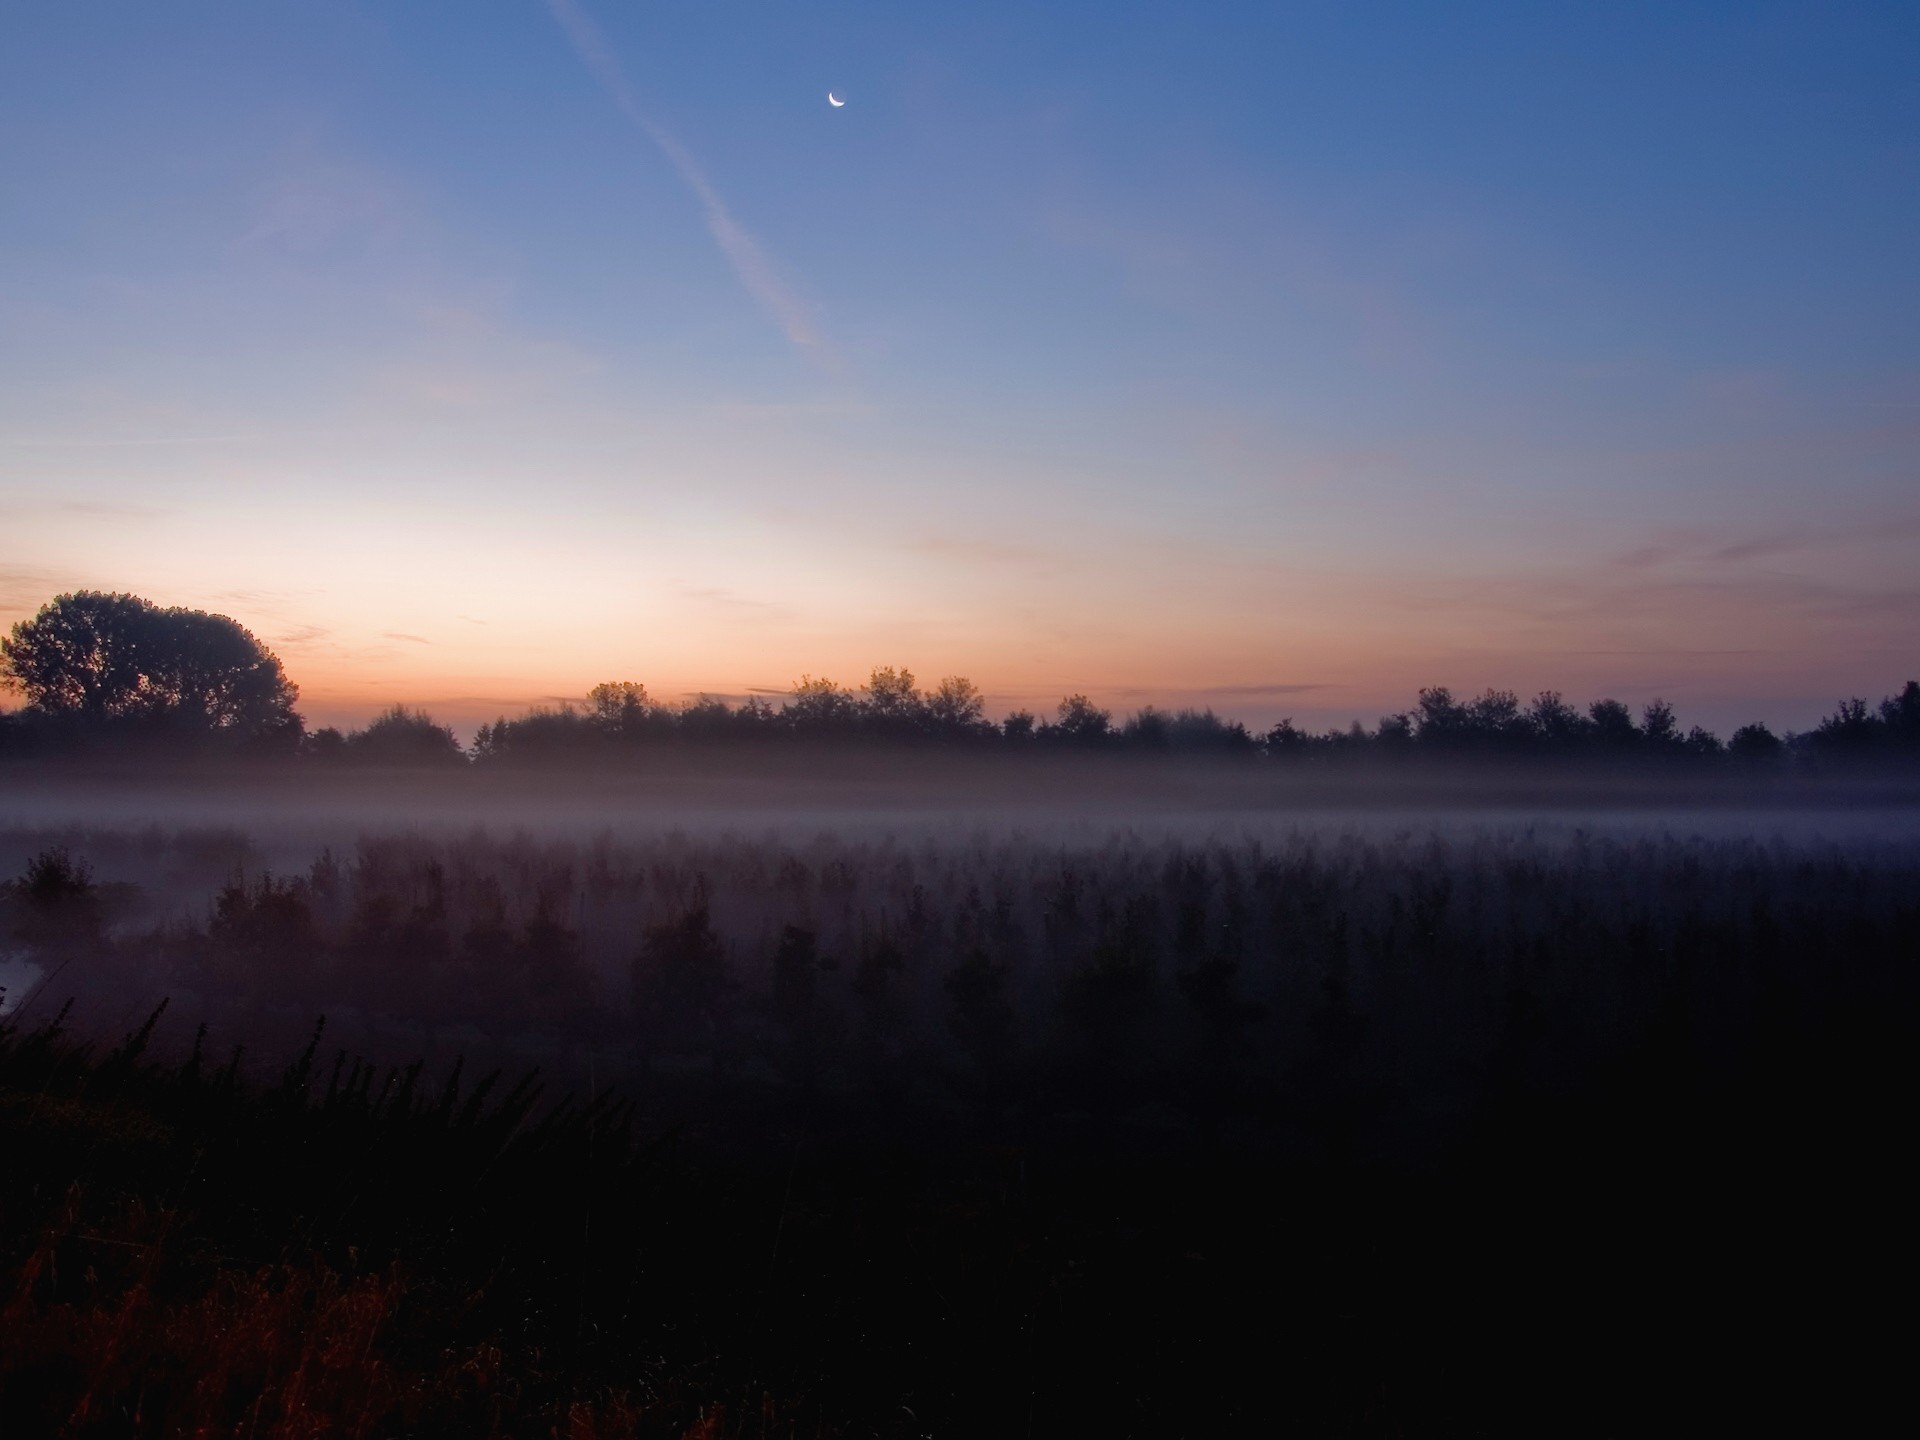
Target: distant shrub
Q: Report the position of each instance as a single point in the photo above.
(403, 736)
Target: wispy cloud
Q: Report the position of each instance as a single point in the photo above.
(492, 702)
(23, 589)
(316, 204)
(1192, 257)
(976, 551)
(732, 602)
(139, 442)
(1200, 694)
(465, 359)
(1679, 617)
(1703, 547)
(1276, 689)
(85, 509)
(751, 263)
(248, 596)
(111, 509)
(828, 409)
(403, 635)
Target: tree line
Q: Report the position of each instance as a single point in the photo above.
(105, 671)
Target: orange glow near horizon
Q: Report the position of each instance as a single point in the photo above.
(473, 618)
(680, 574)
(1246, 671)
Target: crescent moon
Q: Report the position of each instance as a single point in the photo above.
(834, 100)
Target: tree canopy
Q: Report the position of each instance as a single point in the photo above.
(400, 735)
(94, 663)
(101, 659)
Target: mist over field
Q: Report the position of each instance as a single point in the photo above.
(980, 933)
(1049, 1077)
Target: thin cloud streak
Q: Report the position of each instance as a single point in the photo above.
(1697, 545)
(749, 261)
(1292, 689)
(135, 443)
(984, 552)
(731, 602)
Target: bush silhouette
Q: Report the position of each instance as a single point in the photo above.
(403, 736)
(99, 663)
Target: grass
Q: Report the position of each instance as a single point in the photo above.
(1482, 1134)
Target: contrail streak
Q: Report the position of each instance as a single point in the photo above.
(749, 261)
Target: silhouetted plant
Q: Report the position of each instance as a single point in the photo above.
(56, 907)
(1079, 722)
(1109, 999)
(957, 710)
(262, 940)
(118, 664)
(1440, 721)
(403, 736)
(820, 707)
(326, 745)
(544, 735)
(1203, 732)
(1702, 744)
(1659, 731)
(878, 1004)
(980, 1013)
(892, 707)
(1147, 729)
(621, 709)
(803, 1022)
(678, 982)
(1559, 727)
(1900, 715)
(1287, 741)
(1613, 728)
(1854, 734)
(1755, 746)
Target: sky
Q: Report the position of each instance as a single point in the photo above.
(1283, 358)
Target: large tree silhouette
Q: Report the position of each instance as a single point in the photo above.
(91, 658)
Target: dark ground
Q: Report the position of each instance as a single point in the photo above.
(1703, 1225)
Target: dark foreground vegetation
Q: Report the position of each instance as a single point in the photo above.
(1490, 1133)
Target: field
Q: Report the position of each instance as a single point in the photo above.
(957, 1123)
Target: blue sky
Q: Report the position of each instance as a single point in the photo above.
(1281, 357)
